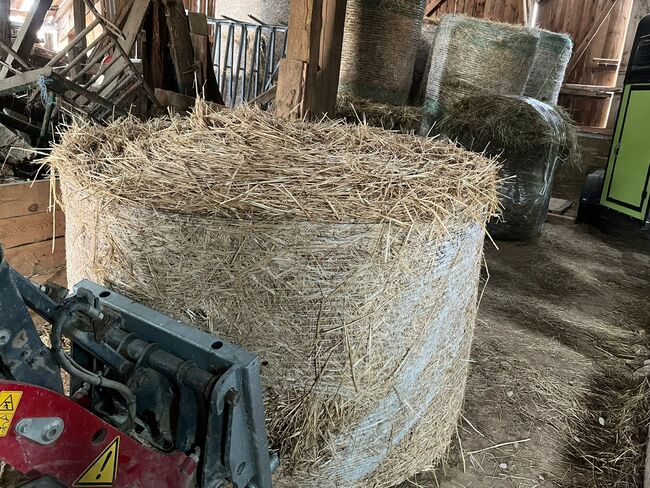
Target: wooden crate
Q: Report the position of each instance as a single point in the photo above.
(31, 232)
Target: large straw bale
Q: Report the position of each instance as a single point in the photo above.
(403, 118)
(549, 67)
(474, 56)
(531, 139)
(347, 257)
(379, 45)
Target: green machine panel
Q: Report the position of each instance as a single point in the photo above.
(627, 179)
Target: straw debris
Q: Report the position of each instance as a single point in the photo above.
(402, 118)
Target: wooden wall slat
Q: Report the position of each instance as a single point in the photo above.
(38, 258)
(24, 198)
(28, 229)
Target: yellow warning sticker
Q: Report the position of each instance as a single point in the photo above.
(103, 470)
(9, 401)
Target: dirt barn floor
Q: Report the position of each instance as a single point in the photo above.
(552, 399)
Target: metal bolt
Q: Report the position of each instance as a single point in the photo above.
(232, 397)
(5, 335)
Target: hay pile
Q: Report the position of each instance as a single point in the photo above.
(347, 257)
(530, 138)
(549, 67)
(402, 118)
(372, 67)
(473, 56)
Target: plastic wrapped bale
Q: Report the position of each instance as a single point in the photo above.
(402, 118)
(372, 65)
(530, 138)
(549, 67)
(422, 61)
(347, 257)
(474, 56)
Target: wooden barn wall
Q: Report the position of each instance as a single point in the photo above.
(598, 28)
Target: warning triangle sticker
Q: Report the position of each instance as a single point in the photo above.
(103, 470)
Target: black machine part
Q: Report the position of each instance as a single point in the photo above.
(169, 385)
(638, 70)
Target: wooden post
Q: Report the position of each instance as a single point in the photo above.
(180, 45)
(27, 34)
(79, 12)
(327, 81)
(309, 76)
(5, 25)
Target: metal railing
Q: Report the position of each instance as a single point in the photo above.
(246, 57)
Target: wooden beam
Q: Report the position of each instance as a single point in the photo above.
(5, 25)
(79, 12)
(21, 81)
(180, 45)
(297, 95)
(580, 51)
(432, 6)
(594, 91)
(327, 80)
(180, 103)
(27, 35)
(206, 79)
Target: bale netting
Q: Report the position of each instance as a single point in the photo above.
(530, 138)
(474, 56)
(549, 67)
(346, 257)
(402, 118)
(372, 67)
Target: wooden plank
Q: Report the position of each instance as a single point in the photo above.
(20, 82)
(27, 229)
(206, 79)
(28, 32)
(303, 53)
(180, 45)
(180, 103)
(432, 7)
(38, 258)
(588, 90)
(289, 96)
(331, 46)
(24, 198)
(584, 45)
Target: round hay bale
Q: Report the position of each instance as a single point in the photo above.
(549, 67)
(346, 257)
(530, 138)
(270, 12)
(402, 118)
(475, 56)
(372, 67)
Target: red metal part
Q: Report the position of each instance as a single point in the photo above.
(70, 456)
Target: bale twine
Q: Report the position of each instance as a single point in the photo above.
(549, 67)
(372, 65)
(422, 61)
(346, 257)
(473, 56)
(530, 138)
(402, 118)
